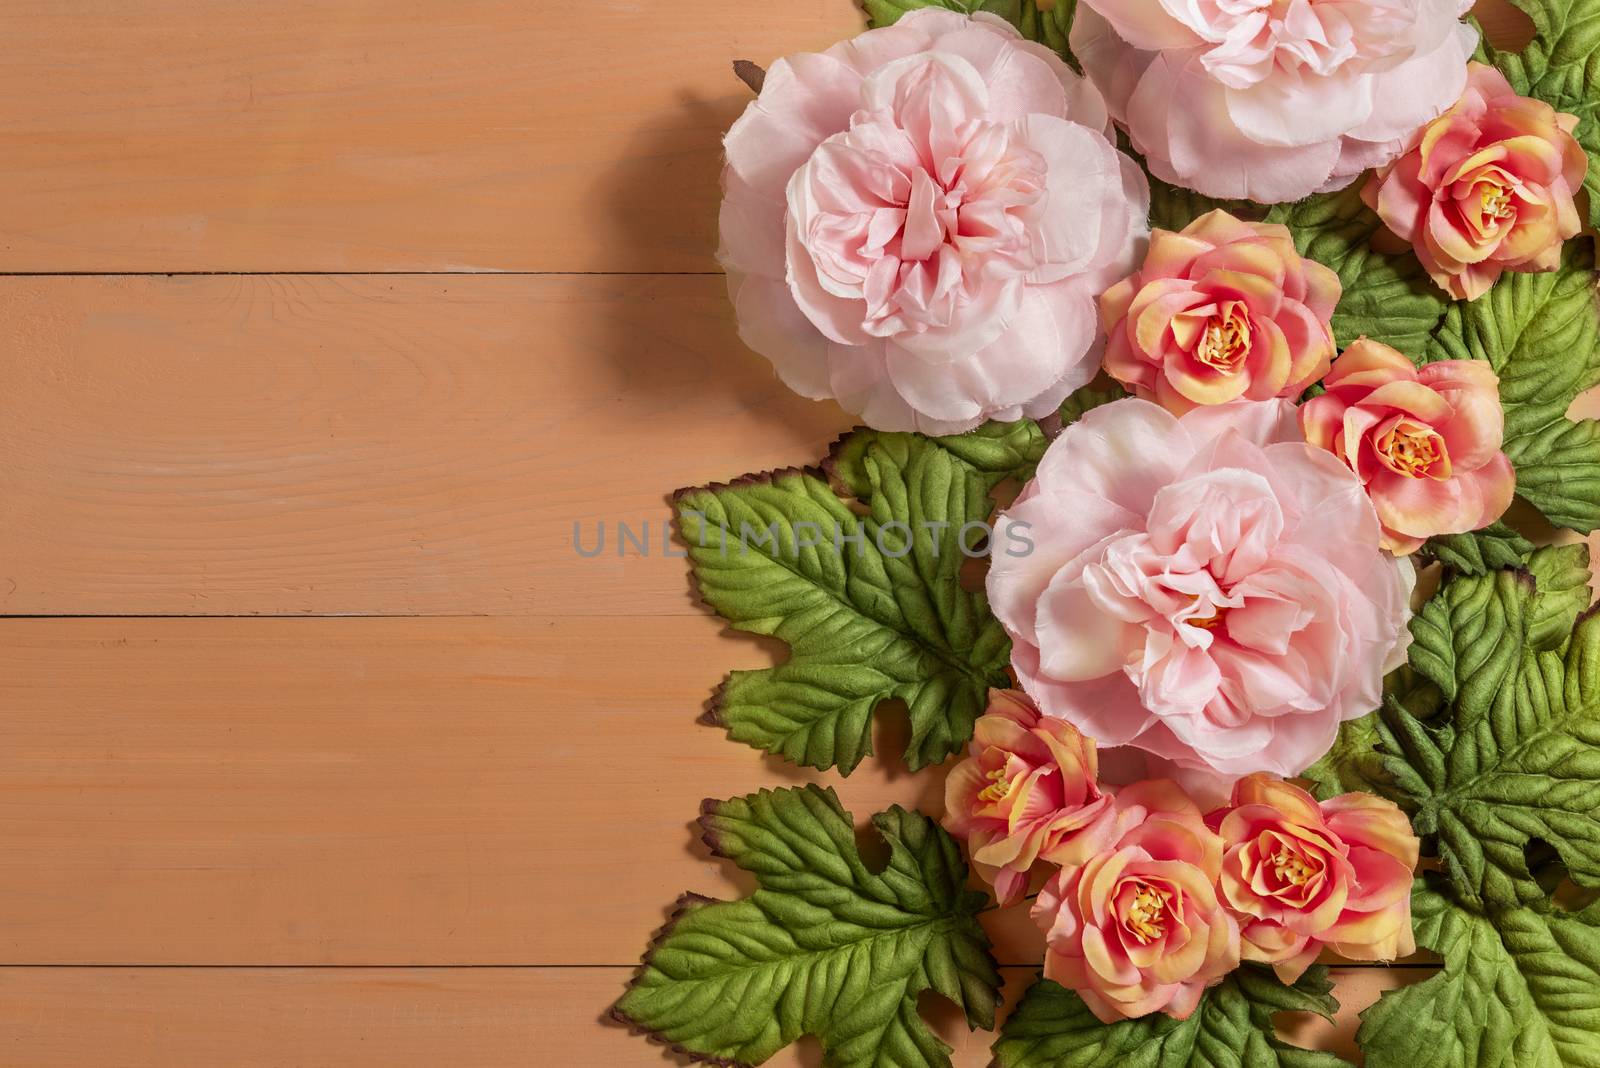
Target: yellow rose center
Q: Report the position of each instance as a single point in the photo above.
(998, 787)
(1412, 450)
(1495, 202)
(1292, 868)
(1225, 341)
(1147, 914)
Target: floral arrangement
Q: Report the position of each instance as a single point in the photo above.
(1226, 331)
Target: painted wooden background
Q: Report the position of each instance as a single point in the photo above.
(322, 322)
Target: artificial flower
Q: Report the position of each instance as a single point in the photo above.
(1487, 187)
(1027, 793)
(916, 223)
(1424, 441)
(1224, 309)
(1207, 587)
(1302, 876)
(1272, 101)
(1139, 927)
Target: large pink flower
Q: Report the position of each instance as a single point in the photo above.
(1425, 442)
(1208, 588)
(1302, 875)
(1027, 793)
(1488, 187)
(1225, 309)
(1139, 927)
(917, 223)
(1272, 100)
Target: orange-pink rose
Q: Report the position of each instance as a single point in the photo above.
(1224, 309)
(1139, 927)
(1424, 441)
(1488, 187)
(1027, 793)
(1302, 875)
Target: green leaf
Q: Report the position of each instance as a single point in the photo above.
(1388, 298)
(1520, 988)
(1232, 1028)
(1516, 761)
(1541, 333)
(1561, 66)
(1049, 24)
(1494, 547)
(1173, 207)
(871, 606)
(1352, 764)
(1561, 575)
(824, 947)
(992, 453)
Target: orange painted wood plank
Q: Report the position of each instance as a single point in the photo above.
(347, 135)
(373, 791)
(306, 444)
(416, 1018)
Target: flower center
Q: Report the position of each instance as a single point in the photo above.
(1225, 341)
(1412, 450)
(998, 787)
(1147, 913)
(1292, 868)
(1494, 201)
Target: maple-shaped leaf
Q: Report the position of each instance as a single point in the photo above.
(871, 606)
(1541, 333)
(1561, 66)
(1497, 745)
(824, 947)
(1232, 1028)
(1520, 988)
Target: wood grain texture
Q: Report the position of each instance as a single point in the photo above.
(344, 135)
(347, 135)
(395, 791)
(413, 1018)
(380, 445)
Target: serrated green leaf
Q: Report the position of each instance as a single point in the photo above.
(1089, 398)
(1516, 759)
(1561, 575)
(1520, 989)
(1388, 298)
(1232, 1028)
(1541, 333)
(824, 947)
(993, 452)
(1352, 764)
(1493, 548)
(1173, 207)
(872, 607)
(1561, 66)
(1049, 25)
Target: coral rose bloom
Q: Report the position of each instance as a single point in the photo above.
(1487, 188)
(1302, 876)
(1223, 310)
(1425, 441)
(917, 222)
(1208, 588)
(1027, 793)
(1272, 101)
(1139, 927)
